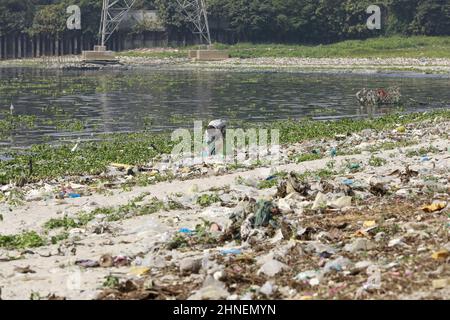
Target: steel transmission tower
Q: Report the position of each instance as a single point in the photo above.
(113, 13)
(195, 12)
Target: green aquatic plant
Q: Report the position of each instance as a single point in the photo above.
(177, 241)
(64, 222)
(59, 237)
(138, 148)
(205, 200)
(128, 210)
(28, 239)
(111, 282)
(267, 184)
(384, 47)
(376, 161)
(307, 157)
(10, 122)
(423, 151)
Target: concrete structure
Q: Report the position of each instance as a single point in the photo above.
(99, 55)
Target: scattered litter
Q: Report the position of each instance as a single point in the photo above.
(437, 206)
(26, 269)
(272, 268)
(186, 231)
(441, 254)
(348, 182)
(87, 263)
(106, 261)
(74, 195)
(231, 251)
(139, 271)
(441, 283)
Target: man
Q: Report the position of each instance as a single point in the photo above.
(215, 137)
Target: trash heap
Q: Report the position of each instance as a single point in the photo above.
(366, 218)
(377, 97)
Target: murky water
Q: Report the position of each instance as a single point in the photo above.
(156, 99)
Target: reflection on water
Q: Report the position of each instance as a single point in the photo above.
(156, 99)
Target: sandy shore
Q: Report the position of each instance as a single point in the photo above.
(351, 226)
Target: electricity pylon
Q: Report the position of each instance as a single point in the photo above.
(195, 12)
(113, 12)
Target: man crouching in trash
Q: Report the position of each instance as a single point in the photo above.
(215, 141)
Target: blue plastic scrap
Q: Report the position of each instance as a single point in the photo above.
(231, 251)
(74, 195)
(348, 182)
(185, 230)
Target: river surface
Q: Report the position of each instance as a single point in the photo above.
(68, 105)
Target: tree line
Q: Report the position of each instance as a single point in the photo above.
(285, 21)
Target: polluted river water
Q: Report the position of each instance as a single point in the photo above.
(67, 105)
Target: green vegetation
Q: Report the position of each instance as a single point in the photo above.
(130, 209)
(310, 21)
(59, 237)
(294, 131)
(177, 241)
(9, 122)
(92, 157)
(376, 161)
(389, 47)
(267, 184)
(64, 222)
(15, 197)
(382, 47)
(307, 157)
(111, 282)
(32, 239)
(201, 235)
(29, 239)
(321, 174)
(47, 17)
(263, 21)
(205, 200)
(422, 152)
(35, 295)
(139, 148)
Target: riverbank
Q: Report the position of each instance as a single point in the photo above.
(135, 149)
(307, 65)
(405, 66)
(414, 47)
(354, 209)
(377, 55)
(420, 55)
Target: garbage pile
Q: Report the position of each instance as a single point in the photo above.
(368, 219)
(378, 97)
